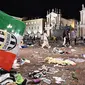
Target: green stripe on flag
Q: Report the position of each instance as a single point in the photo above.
(11, 24)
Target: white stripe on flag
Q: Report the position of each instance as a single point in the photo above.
(11, 45)
(13, 40)
(1, 42)
(2, 36)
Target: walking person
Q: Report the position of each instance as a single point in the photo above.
(64, 38)
(38, 37)
(45, 40)
(32, 37)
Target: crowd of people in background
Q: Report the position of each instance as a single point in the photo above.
(69, 38)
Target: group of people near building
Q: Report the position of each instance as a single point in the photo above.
(69, 38)
(30, 38)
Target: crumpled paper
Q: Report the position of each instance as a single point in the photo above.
(58, 80)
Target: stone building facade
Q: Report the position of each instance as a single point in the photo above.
(35, 25)
(82, 22)
(55, 23)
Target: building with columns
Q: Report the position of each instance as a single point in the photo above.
(35, 26)
(55, 22)
(82, 22)
(53, 17)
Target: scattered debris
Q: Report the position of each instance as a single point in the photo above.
(37, 74)
(70, 46)
(58, 80)
(69, 62)
(44, 67)
(77, 60)
(67, 52)
(75, 55)
(33, 81)
(59, 61)
(52, 70)
(22, 61)
(18, 78)
(74, 76)
(48, 81)
(24, 46)
(73, 50)
(83, 55)
(56, 50)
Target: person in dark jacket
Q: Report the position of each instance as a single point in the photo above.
(68, 37)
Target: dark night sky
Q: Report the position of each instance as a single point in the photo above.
(38, 8)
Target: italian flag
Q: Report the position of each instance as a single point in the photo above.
(15, 27)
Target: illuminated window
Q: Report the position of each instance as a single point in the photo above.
(35, 22)
(31, 22)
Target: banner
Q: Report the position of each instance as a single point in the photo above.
(11, 33)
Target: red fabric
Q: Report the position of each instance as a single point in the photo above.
(6, 60)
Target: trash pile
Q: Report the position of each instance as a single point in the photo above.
(58, 80)
(42, 75)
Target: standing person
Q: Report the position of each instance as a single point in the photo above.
(38, 37)
(45, 40)
(41, 39)
(68, 37)
(32, 36)
(64, 38)
(73, 36)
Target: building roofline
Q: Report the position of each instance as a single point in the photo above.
(34, 19)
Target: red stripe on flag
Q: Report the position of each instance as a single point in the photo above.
(6, 60)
